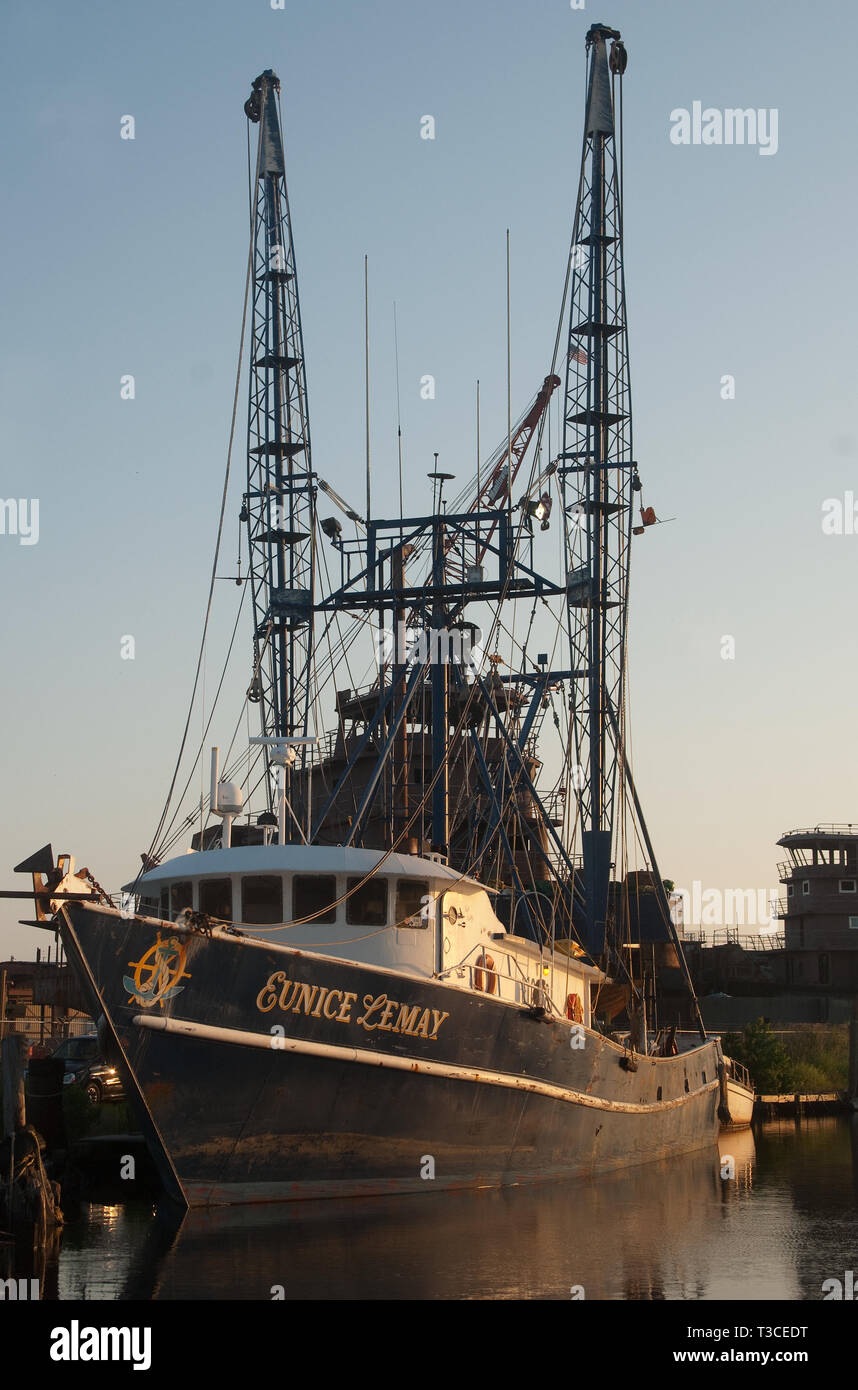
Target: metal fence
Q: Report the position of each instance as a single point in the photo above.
(34, 1030)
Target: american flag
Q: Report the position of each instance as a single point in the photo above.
(578, 355)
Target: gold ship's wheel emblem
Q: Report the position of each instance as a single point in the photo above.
(157, 973)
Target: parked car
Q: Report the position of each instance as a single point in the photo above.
(84, 1066)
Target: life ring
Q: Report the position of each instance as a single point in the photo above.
(490, 983)
(574, 1010)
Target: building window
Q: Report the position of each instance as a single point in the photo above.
(410, 893)
(262, 898)
(823, 969)
(853, 923)
(366, 905)
(314, 896)
(790, 890)
(847, 885)
(805, 886)
(216, 898)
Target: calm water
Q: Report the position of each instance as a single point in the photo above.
(788, 1221)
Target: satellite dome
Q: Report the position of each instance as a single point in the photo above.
(229, 797)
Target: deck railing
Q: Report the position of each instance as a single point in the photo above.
(532, 993)
(831, 828)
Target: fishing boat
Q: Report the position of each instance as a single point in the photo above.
(414, 951)
(740, 1096)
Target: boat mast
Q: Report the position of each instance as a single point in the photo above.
(279, 505)
(597, 474)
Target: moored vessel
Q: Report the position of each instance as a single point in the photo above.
(428, 962)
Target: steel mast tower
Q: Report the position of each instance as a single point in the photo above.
(279, 505)
(598, 476)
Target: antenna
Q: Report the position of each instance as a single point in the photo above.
(508, 376)
(366, 358)
(479, 487)
(398, 412)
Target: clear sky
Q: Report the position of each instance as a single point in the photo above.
(123, 256)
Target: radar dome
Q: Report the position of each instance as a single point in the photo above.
(229, 797)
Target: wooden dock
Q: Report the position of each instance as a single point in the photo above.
(808, 1103)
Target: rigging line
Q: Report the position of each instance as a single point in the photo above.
(198, 758)
(229, 774)
(429, 787)
(250, 200)
(318, 723)
(519, 821)
(316, 698)
(313, 695)
(247, 283)
(420, 807)
(245, 709)
(327, 668)
(336, 617)
(169, 840)
(167, 844)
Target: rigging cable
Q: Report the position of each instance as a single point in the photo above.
(247, 283)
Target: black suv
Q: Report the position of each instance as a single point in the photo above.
(85, 1067)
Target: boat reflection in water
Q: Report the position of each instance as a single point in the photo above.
(785, 1223)
(649, 1233)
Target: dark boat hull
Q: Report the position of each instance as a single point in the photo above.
(371, 1081)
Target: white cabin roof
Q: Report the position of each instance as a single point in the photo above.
(312, 859)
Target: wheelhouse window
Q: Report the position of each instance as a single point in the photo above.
(366, 906)
(262, 898)
(148, 907)
(165, 903)
(181, 896)
(847, 885)
(314, 895)
(410, 893)
(805, 886)
(216, 898)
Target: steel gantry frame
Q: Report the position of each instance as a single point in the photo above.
(280, 503)
(597, 474)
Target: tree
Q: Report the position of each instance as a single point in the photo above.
(763, 1054)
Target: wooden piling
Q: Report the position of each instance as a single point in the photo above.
(13, 1052)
